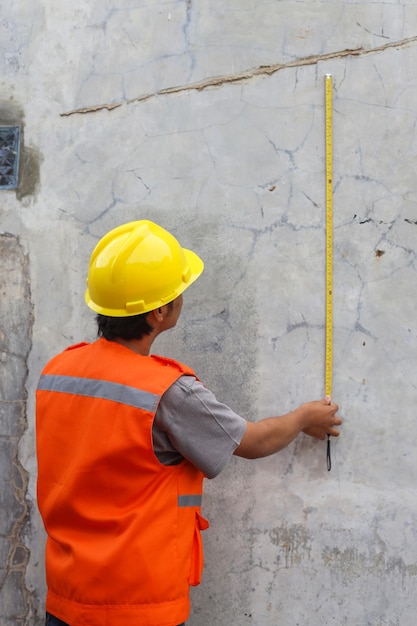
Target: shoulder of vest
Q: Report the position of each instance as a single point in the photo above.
(77, 345)
(181, 367)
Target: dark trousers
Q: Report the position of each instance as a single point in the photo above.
(54, 621)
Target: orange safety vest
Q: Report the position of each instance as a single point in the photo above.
(124, 541)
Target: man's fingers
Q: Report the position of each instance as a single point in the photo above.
(333, 432)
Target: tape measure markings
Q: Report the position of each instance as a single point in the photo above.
(329, 236)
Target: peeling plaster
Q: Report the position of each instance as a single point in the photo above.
(15, 343)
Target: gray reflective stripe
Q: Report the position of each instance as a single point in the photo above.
(189, 500)
(103, 389)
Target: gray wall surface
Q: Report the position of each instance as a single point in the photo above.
(208, 117)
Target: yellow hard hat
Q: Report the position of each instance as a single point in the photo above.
(138, 267)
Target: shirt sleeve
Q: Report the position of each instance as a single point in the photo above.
(190, 423)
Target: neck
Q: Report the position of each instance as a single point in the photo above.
(140, 346)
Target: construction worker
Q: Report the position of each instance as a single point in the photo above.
(125, 439)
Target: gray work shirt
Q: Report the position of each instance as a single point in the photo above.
(190, 423)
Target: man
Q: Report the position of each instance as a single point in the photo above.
(125, 438)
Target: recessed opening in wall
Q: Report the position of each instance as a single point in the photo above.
(9, 156)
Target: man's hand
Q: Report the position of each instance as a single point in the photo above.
(321, 415)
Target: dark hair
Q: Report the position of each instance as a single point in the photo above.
(133, 327)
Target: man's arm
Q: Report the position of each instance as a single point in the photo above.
(272, 434)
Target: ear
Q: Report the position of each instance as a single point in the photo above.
(156, 316)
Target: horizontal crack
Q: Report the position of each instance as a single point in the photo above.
(262, 70)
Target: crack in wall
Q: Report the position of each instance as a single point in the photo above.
(262, 70)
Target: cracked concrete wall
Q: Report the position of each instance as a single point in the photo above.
(208, 117)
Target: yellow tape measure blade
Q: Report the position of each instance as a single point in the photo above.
(329, 238)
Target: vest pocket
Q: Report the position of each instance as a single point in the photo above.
(197, 557)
